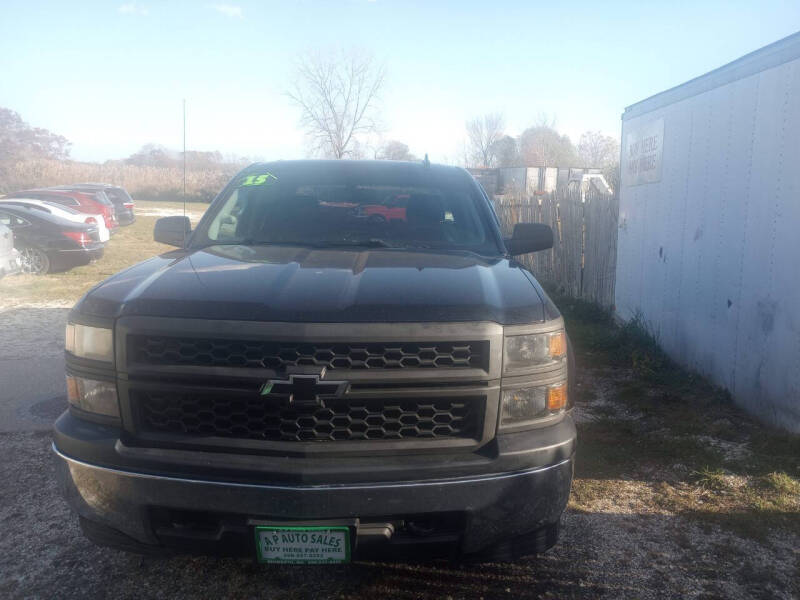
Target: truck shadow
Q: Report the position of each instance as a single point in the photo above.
(600, 555)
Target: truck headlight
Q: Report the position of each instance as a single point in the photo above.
(522, 352)
(521, 406)
(95, 343)
(92, 396)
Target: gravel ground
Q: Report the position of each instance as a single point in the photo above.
(619, 546)
(623, 550)
(36, 330)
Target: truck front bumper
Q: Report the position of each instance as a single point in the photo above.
(497, 507)
(467, 505)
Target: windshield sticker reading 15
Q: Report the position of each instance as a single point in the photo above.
(265, 179)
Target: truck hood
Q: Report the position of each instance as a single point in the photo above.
(281, 283)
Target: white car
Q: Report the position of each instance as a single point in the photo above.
(65, 212)
(9, 257)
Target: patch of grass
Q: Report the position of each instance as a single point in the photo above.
(636, 344)
(172, 203)
(711, 479)
(631, 344)
(662, 424)
(776, 450)
(581, 310)
(587, 492)
(736, 503)
(781, 484)
(610, 447)
(130, 245)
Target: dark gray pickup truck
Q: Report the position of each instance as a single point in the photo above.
(342, 361)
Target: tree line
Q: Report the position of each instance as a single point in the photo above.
(540, 145)
(338, 95)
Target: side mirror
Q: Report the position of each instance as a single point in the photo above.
(172, 230)
(529, 237)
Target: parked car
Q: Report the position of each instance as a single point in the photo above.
(9, 256)
(98, 195)
(299, 384)
(49, 243)
(65, 212)
(84, 202)
(383, 212)
(120, 198)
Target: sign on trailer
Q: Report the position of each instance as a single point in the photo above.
(643, 149)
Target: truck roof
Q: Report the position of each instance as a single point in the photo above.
(371, 166)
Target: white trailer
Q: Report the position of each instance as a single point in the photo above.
(709, 226)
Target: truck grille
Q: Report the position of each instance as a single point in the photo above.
(158, 350)
(258, 418)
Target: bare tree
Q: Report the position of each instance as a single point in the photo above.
(337, 94)
(545, 119)
(484, 133)
(598, 150)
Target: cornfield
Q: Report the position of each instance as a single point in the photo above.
(143, 182)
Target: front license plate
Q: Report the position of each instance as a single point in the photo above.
(303, 545)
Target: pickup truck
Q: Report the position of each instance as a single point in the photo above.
(296, 384)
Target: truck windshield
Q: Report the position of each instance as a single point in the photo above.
(333, 209)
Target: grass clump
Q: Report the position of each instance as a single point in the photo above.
(711, 479)
(662, 425)
(781, 483)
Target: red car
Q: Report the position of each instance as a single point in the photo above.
(382, 212)
(86, 202)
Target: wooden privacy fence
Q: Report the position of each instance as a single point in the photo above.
(582, 262)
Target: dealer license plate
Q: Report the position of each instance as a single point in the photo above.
(303, 545)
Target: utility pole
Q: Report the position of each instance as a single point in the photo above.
(184, 151)
(184, 170)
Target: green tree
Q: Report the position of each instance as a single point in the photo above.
(394, 150)
(543, 146)
(506, 152)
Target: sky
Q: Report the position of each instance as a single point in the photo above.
(111, 75)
